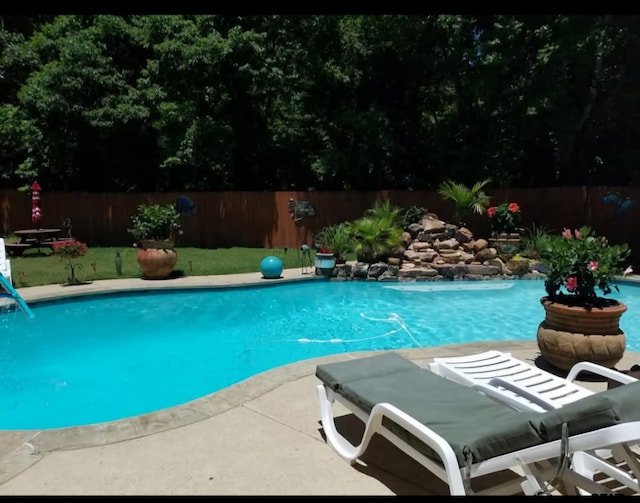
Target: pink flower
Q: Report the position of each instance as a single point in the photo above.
(571, 284)
(491, 211)
(578, 234)
(593, 265)
(567, 233)
(513, 207)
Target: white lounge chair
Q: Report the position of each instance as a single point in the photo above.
(527, 387)
(5, 263)
(459, 434)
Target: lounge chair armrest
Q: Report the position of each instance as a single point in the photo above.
(514, 401)
(594, 368)
(522, 393)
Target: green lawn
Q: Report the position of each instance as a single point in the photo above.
(42, 268)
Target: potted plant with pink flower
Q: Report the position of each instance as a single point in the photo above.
(580, 322)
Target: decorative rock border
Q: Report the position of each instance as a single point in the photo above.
(381, 271)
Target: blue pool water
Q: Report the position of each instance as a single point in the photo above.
(108, 357)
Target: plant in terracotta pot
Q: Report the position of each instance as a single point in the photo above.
(580, 322)
(155, 228)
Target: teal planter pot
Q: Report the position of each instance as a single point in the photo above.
(325, 262)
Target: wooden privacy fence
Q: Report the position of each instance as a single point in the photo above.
(262, 219)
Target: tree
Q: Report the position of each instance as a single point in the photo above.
(352, 102)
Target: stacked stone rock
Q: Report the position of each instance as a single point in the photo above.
(434, 250)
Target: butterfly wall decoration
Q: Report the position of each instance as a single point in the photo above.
(185, 206)
(622, 205)
(300, 209)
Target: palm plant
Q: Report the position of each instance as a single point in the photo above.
(374, 238)
(384, 211)
(467, 200)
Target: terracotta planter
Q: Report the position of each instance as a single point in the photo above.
(157, 258)
(570, 334)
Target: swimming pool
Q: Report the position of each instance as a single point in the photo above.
(100, 358)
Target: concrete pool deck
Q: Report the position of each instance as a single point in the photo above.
(261, 436)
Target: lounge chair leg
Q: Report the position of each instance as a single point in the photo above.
(588, 463)
(341, 445)
(531, 485)
(623, 453)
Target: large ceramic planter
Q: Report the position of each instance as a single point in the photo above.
(157, 258)
(325, 263)
(570, 334)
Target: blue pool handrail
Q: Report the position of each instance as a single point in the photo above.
(13, 293)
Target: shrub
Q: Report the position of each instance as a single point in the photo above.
(577, 263)
(504, 218)
(533, 240)
(155, 221)
(412, 214)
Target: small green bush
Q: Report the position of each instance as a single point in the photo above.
(412, 214)
(155, 221)
(534, 240)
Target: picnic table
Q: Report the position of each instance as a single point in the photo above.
(34, 238)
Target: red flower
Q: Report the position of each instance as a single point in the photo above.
(571, 284)
(504, 218)
(69, 249)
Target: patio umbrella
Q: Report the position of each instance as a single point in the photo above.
(35, 203)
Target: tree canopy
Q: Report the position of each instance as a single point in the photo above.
(106, 103)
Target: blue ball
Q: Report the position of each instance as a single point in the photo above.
(271, 267)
